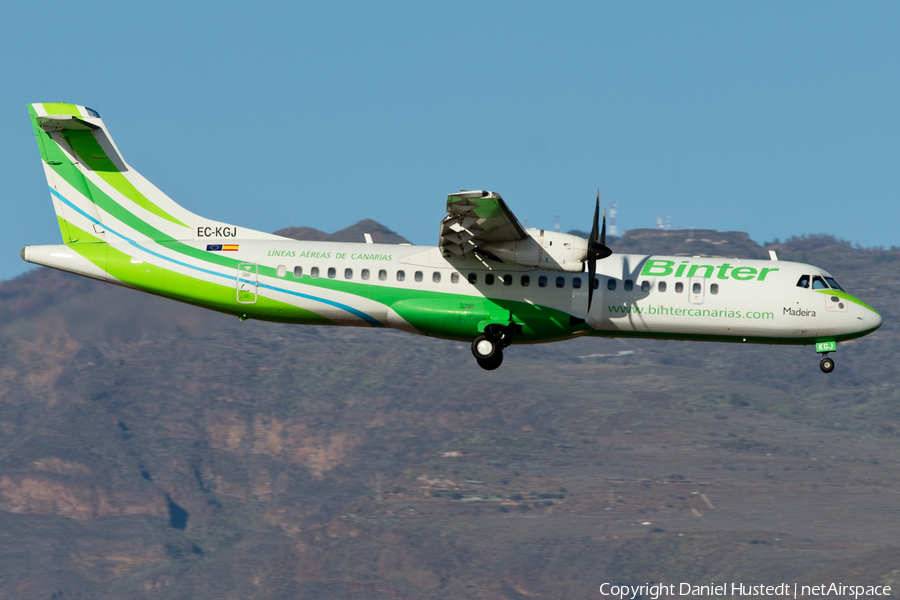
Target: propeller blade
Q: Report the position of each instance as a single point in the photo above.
(593, 238)
(596, 249)
(603, 231)
(592, 271)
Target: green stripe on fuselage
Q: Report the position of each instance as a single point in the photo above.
(92, 154)
(152, 278)
(847, 297)
(93, 193)
(456, 316)
(418, 307)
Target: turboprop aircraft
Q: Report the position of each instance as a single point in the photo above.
(489, 281)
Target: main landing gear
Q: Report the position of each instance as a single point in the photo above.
(826, 364)
(488, 347)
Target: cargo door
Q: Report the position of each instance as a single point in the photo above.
(247, 283)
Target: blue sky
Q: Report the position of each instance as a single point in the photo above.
(774, 118)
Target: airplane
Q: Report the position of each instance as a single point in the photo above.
(489, 281)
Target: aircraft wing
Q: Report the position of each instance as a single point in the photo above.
(475, 218)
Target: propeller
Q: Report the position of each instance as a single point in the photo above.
(597, 249)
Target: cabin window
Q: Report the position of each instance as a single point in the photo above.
(281, 271)
(332, 272)
(298, 272)
(382, 275)
(419, 276)
(679, 287)
(833, 283)
(629, 285)
(489, 279)
(364, 274)
(542, 281)
(436, 277)
(314, 272)
(473, 278)
(506, 279)
(697, 288)
(819, 283)
(526, 280)
(661, 286)
(610, 284)
(454, 277)
(348, 273)
(803, 282)
(401, 275)
(714, 288)
(645, 286)
(576, 283)
(560, 281)
(596, 283)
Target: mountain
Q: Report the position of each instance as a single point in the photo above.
(150, 449)
(354, 233)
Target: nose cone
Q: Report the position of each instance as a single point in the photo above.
(874, 320)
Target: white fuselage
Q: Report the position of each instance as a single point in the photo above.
(635, 295)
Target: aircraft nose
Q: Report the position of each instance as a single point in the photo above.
(874, 320)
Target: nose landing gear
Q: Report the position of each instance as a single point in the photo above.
(823, 348)
(488, 347)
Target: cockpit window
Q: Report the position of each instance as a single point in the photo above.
(91, 112)
(819, 283)
(804, 281)
(833, 283)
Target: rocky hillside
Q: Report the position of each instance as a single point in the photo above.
(150, 449)
(355, 233)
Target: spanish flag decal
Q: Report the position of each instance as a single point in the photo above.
(222, 247)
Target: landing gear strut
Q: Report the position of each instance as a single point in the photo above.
(488, 347)
(826, 364)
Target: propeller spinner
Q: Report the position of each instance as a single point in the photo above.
(597, 249)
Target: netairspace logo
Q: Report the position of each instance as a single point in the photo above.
(654, 591)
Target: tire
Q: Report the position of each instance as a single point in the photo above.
(827, 365)
(484, 348)
(491, 363)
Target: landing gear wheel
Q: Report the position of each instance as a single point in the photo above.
(827, 365)
(485, 348)
(490, 364)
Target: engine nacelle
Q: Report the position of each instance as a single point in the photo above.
(542, 249)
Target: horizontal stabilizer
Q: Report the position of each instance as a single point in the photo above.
(61, 122)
